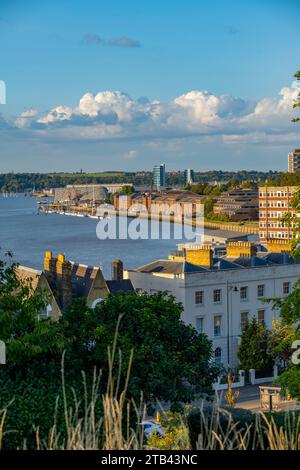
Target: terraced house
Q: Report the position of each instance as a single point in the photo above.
(220, 293)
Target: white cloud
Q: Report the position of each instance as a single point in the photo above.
(130, 154)
(114, 115)
(24, 119)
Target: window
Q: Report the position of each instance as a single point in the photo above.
(199, 297)
(218, 355)
(244, 293)
(286, 288)
(261, 316)
(244, 319)
(199, 324)
(217, 325)
(217, 295)
(261, 290)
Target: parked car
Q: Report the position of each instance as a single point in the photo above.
(151, 428)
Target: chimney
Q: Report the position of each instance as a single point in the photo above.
(50, 268)
(200, 256)
(64, 281)
(279, 246)
(117, 270)
(241, 248)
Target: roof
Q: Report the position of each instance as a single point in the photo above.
(248, 261)
(169, 267)
(220, 263)
(278, 258)
(124, 285)
(83, 277)
(28, 274)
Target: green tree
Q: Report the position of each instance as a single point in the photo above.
(253, 349)
(171, 361)
(297, 103)
(26, 337)
(127, 190)
(280, 341)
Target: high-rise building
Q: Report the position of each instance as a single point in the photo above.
(189, 176)
(274, 203)
(159, 176)
(294, 161)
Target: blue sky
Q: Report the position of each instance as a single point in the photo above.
(52, 53)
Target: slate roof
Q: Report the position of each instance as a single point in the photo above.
(169, 267)
(82, 279)
(124, 285)
(219, 264)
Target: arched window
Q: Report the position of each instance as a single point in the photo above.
(218, 355)
(96, 302)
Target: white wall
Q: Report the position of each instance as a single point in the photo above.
(231, 305)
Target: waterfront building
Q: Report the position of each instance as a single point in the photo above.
(159, 177)
(238, 204)
(189, 176)
(219, 293)
(169, 202)
(80, 194)
(274, 204)
(294, 161)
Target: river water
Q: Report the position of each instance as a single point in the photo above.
(27, 235)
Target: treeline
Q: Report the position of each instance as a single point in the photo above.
(285, 179)
(21, 182)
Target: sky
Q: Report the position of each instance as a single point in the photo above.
(123, 84)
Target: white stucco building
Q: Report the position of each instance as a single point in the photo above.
(219, 294)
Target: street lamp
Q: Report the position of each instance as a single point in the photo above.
(230, 288)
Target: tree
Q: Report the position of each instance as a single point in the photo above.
(280, 341)
(25, 336)
(297, 103)
(127, 190)
(171, 361)
(253, 349)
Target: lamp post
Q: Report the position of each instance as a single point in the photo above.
(230, 288)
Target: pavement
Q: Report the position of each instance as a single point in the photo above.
(249, 399)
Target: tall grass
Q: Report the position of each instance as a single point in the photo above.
(114, 430)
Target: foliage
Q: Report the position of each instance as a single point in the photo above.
(126, 190)
(231, 396)
(253, 349)
(171, 360)
(225, 423)
(289, 381)
(176, 439)
(280, 341)
(25, 336)
(297, 103)
(21, 182)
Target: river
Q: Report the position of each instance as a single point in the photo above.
(27, 235)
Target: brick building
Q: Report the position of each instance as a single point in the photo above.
(274, 204)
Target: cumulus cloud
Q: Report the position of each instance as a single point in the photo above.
(115, 115)
(124, 41)
(25, 118)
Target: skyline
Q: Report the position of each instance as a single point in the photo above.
(121, 87)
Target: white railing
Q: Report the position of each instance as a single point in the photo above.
(217, 386)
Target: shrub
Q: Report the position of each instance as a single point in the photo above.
(211, 427)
